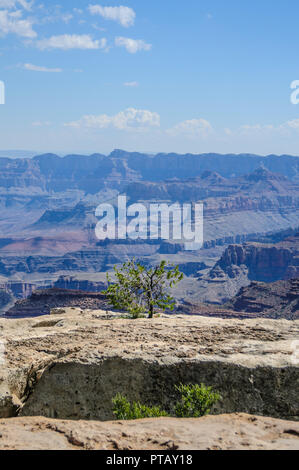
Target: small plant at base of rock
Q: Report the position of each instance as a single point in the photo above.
(196, 400)
(124, 410)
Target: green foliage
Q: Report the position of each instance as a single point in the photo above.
(138, 290)
(124, 410)
(196, 400)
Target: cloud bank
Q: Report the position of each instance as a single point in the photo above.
(129, 119)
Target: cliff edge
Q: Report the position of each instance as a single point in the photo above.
(70, 365)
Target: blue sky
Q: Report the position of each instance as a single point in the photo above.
(149, 75)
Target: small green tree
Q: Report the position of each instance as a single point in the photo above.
(124, 410)
(138, 290)
(196, 400)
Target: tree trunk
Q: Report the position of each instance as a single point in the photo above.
(151, 312)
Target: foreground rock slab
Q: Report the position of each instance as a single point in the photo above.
(223, 432)
(70, 365)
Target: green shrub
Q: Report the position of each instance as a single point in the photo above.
(196, 400)
(124, 410)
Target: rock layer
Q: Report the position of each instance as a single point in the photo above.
(274, 300)
(240, 264)
(42, 301)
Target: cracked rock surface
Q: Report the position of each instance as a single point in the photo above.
(223, 432)
(70, 365)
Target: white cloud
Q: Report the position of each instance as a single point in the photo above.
(123, 15)
(132, 45)
(11, 22)
(131, 84)
(54, 14)
(192, 127)
(14, 3)
(129, 119)
(266, 128)
(37, 68)
(257, 127)
(71, 41)
(294, 124)
(67, 17)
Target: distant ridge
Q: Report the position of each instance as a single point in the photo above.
(120, 167)
(119, 153)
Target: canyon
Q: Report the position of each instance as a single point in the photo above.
(240, 264)
(270, 300)
(47, 219)
(65, 354)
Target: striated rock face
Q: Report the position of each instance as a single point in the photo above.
(236, 209)
(89, 172)
(241, 264)
(42, 301)
(95, 259)
(275, 300)
(224, 432)
(18, 289)
(265, 263)
(20, 173)
(65, 192)
(70, 282)
(70, 365)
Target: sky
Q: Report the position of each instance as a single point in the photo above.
(149, 75)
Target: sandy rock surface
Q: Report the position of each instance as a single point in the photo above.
(224, 432)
